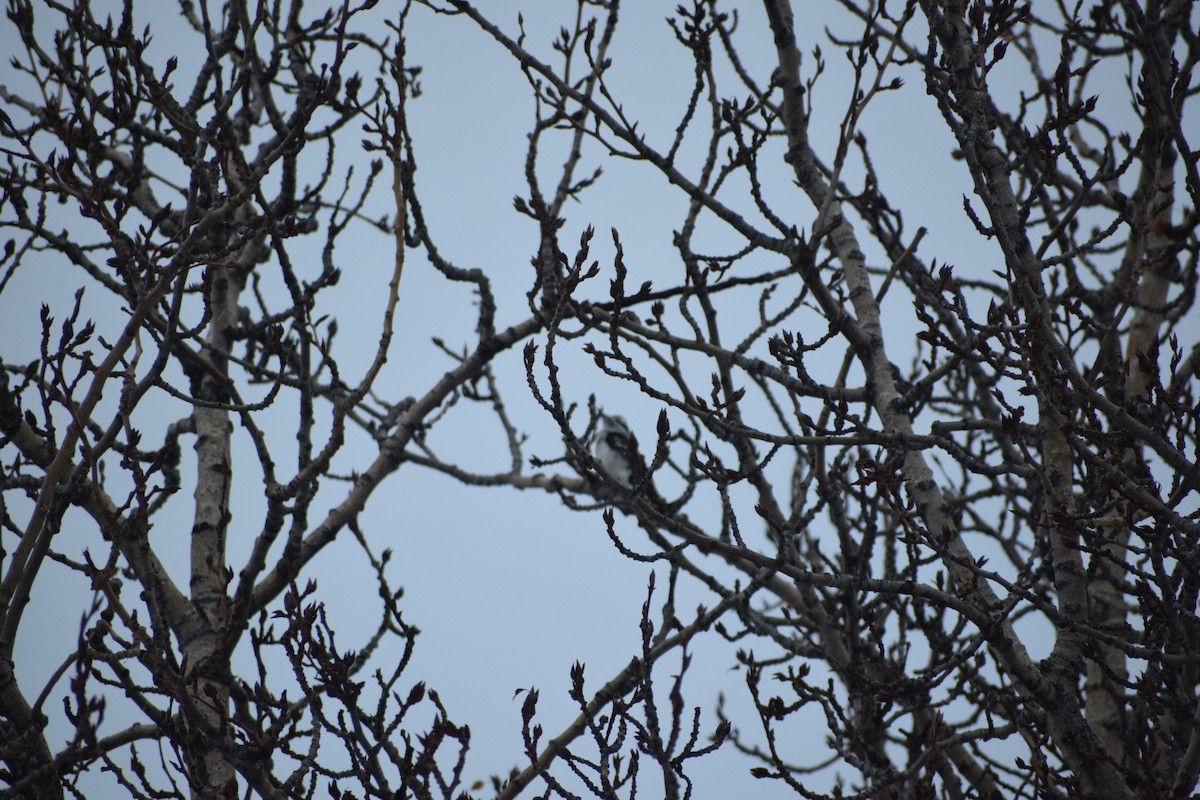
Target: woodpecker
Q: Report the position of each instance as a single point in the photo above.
(617, 453)
(616, 449)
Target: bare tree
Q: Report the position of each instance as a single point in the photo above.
(886, 526)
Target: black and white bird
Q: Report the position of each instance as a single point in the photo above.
(616, 451)
(617, 454)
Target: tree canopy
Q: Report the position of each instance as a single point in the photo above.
(903, 293)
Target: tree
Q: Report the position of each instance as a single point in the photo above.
(888, 532)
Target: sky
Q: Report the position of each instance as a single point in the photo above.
(508, 588)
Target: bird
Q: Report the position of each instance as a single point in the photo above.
(619, 459)
(616, 451)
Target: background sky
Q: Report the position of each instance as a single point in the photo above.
(507, 588)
